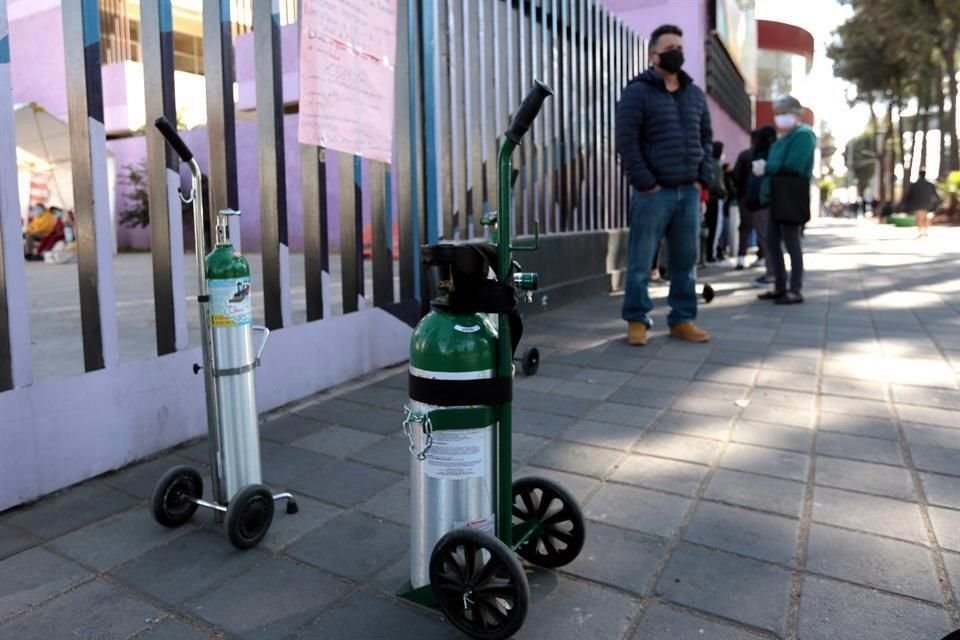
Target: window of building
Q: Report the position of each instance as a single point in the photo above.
(780, 73)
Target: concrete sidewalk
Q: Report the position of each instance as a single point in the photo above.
(797, 477)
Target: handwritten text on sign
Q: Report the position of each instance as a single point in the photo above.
(347, 51)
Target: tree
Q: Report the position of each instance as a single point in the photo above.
(137, 211)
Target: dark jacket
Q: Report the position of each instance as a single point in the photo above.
(664, 139)
(742, 170)
(922, 196)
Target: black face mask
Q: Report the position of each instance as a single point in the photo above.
(671, 61)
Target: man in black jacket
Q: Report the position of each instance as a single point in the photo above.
(664, 139)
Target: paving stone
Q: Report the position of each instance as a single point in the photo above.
(775, 414)
(391, 453)
(173, 629)
(578, 486)
(933, 436)
(658, 367)
(727, 374)
(719, 390)
(893, 482)
(935, 459)
(281, 465)
(689, 424)
(738, 589)
(789, 380)
(379, 395)
(355, 415)
(637, 509)
(140, 479)
(660, 622)
(855, 406)
(345, 483)
(781, 362)
(927, 397)
(659, 473)
(34, 576)
(831, 610)
(677, 447)
(371, 617)
(758, 492)
(683, 351)
(524, 446)
(623, 414)
(541, 424)
(850, 387)
(558, 370)
(578, 458)
(602, 434)
(602, 558)
(857, 448)
(946, 524)
(187, 567)
(198, 452)
(787, 399)
(537, 382)
(558, 605)
(859, 425)
(272, 600)
(940, 490)
(287, 528)
(587, 390)
(772, 462)
(617, 362)
(768, 435)
(952, 562)
(868, 513)
(720, 408)
(74, 508)
(733, 358)
(363, 544)
(94, 610)
(748, 533)
(289, 427)
(667, 384)
(393, 504)
(553, 403)
(107, 543)
(338, 442)
(603, 376)
(643, 397)
(12, 542)
(873, 561)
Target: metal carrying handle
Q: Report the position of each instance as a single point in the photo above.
(173, 138)
(263, 342)
(411, 418)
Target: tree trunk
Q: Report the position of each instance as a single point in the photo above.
(923, 121)
(900, 143)
(953, 157)
(878, 173)
(941, 123)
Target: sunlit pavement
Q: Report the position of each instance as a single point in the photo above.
(797, 477)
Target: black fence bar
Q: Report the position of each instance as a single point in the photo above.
(350, 249)
(523, 204)
(408, 172)
(166, 222)
(88, 150)
(380, 250)
(316, 248)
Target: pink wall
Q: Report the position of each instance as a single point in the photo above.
(727, 131)
(38, 68)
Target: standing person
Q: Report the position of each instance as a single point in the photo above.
(921, 198)
(664, 139)
(717, 194)
(730, 189)
(742, 170)
(758, 207)
(787, 174)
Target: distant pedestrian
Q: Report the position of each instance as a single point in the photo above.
(756, 206)
(921, 198)
(717, 194)
(787, 173)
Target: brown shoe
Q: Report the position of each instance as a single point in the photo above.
(636, 333)
(689, 332)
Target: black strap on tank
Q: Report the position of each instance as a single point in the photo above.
(460, 393)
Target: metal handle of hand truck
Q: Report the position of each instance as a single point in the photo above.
(263, 342)
(528, 111)
(173, 138)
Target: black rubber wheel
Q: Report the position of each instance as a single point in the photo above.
(531, 361)
(479, 584)
(708, 293)
(171, 503)
(559, 517)
(249, 516)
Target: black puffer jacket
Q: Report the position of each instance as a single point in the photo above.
(664, 139)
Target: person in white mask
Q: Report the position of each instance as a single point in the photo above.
(787, 173)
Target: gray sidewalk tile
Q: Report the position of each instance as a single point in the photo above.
(787, 380)
(95, 610)
(537, 382)
(375, 618)
(935, 459)
(868, 513)
(727, 374)
(631, 364)
(139, 480)
(683, 352)
(946, 524)
(758, 411)
(698, 426)
(738, 589)
(660, 622)
(578, 486)
(391, 453)
(270, 601)
(831, 610)
(541, 424)
(941, 490)
(668, 384)
(187, 567)
(619, 558)
(858, 448)
(280, 465)
(33, 576)
(578, 458)
(855, 406)
(586, 390)
(771, 462)
(719, 390)
(758, 492)
(602, 434)
(623, 414)
(289, 427)
(733, 358)
(768, 435)
(343, 413)
(12, 542)
(602, 376)
(661, 367)
(747, 533)
(850, 387)
(173, 629)
(523, 446)
(893, 482)
(553, 404)
(785, 399)
(928, 415)
(859, 425)
(107, 543)
(874, 562)
(706, 406)
(561, 371)
(952, 562)
(338, 442)
(671, 445)
(72, 509)
(345, 483)
(644, 397)
(659, 473)
(780, 361)
(931, 436)
(637, 509)
(393, 504)
(353, 545)
(379, 395)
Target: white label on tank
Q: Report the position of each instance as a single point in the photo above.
(463, 329)
(456, 454)
(230, 302)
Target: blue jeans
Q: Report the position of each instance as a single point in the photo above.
(673, 212)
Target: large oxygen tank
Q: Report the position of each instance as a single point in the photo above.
(453, 446)
(231, 320)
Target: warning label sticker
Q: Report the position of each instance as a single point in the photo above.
(230, 302)
(456, 454)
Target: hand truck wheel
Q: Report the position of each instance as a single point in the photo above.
(557, 516)
(172, 502)
(479, 584)
(249, 516)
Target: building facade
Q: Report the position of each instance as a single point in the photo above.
(784, 62)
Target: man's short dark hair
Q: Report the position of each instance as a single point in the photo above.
(663, 29)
